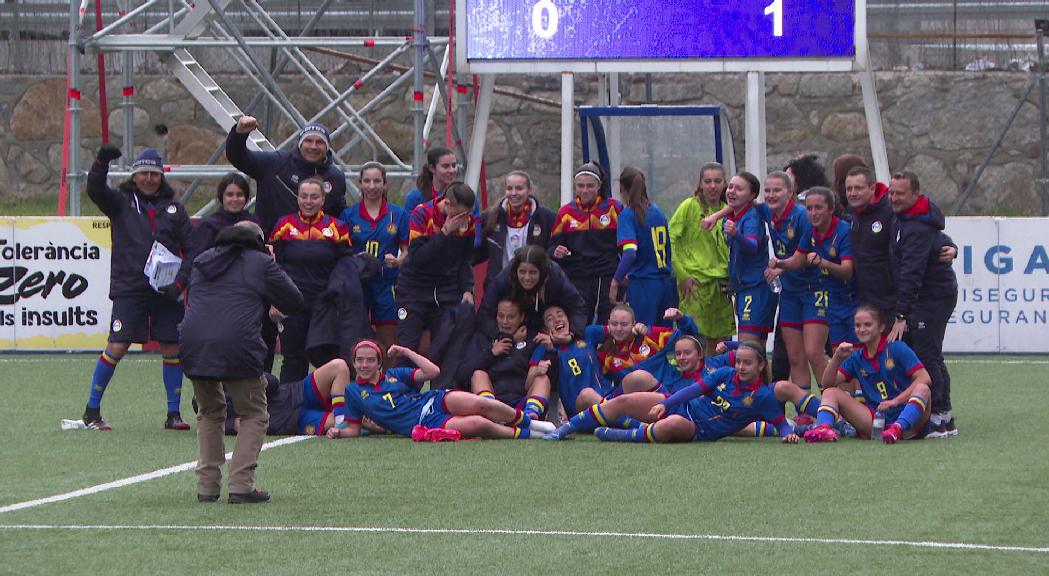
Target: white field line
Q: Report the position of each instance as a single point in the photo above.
(133, 479)
(551, 533)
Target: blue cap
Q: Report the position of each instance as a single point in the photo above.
(148, 160)
(314, 129)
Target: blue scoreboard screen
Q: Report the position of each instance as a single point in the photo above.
(658, 29)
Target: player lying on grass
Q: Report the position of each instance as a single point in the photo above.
(718, 405)
(894, 383)
(393, 401)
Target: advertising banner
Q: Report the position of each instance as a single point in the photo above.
(54, 283)
(1003, 285)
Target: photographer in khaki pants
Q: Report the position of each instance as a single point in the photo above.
(231, 288)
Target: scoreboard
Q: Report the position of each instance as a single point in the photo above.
(588, 30)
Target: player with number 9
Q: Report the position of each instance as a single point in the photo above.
(893, 380)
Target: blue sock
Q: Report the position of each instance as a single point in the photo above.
(764, 429)
(521, 419)
(827, 415)
(104, 369)
(521, 433)
(586, 420)
(912, 413)
(643, 434)
(173, 383)
(627, 422)
(535, 407)
(808, 405)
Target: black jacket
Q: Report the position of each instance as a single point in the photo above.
(136, 221)
(339, 316)
(917, 237)
(277, 176)
(871, 237)
(231, 289)
(540, 224)
(439, 267)
(203, 236)
(557, 290)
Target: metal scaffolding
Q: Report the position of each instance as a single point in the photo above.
(184, 27)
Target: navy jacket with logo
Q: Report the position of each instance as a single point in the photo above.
(277, 176)
(136, 220)
(917, 237)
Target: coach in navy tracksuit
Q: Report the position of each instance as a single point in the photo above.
(278, 174)
(926, 288)
(141, 211)
(872, 220)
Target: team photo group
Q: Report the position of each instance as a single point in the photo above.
(603, 317)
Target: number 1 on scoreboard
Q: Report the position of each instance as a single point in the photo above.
(776, 9)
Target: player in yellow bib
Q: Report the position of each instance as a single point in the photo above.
(701, 258)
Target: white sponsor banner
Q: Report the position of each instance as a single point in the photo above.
(1003, 285)
(54, 283)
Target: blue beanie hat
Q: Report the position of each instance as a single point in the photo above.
(314, 129)
(148, 160)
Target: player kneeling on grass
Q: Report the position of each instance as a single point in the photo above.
(894, 383)
(718, 405)
(393, 401)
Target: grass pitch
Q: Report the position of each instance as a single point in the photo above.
(385, 505)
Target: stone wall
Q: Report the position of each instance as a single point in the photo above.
(939, 125)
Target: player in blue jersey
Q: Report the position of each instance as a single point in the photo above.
(644, 267)
(802, 316)
(393, 401)
(894, 382)
(379, 228)
(827, 250)
(748, 259)
(718, 405)
(567, 360)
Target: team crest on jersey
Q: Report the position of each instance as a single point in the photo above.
(118, 325)
(498, 227)
(391, 229)
(876, 226)
(721, 387)
(402, 313)
(833, 253)
(573, 224)
(310, 430)
(391, 380)
(863, 372)
(356, 227)
(295, 178)
(327, 187)
(520, 345)
(580, 344)
(364, 394)
(748, 400)
(604, 220)
(327, 232)
(889, 363)
(172, 209)
(644, 350)
(537, 231)
(790, 232)
(293, 231)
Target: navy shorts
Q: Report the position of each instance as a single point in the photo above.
(145, 317)
(803, 307)
(650, 297)
(434, 413)
(756, 309)
(379, 296)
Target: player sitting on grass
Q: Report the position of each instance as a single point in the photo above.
(894, 383)
(716, 406)
(499, 368)
(392, 399)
